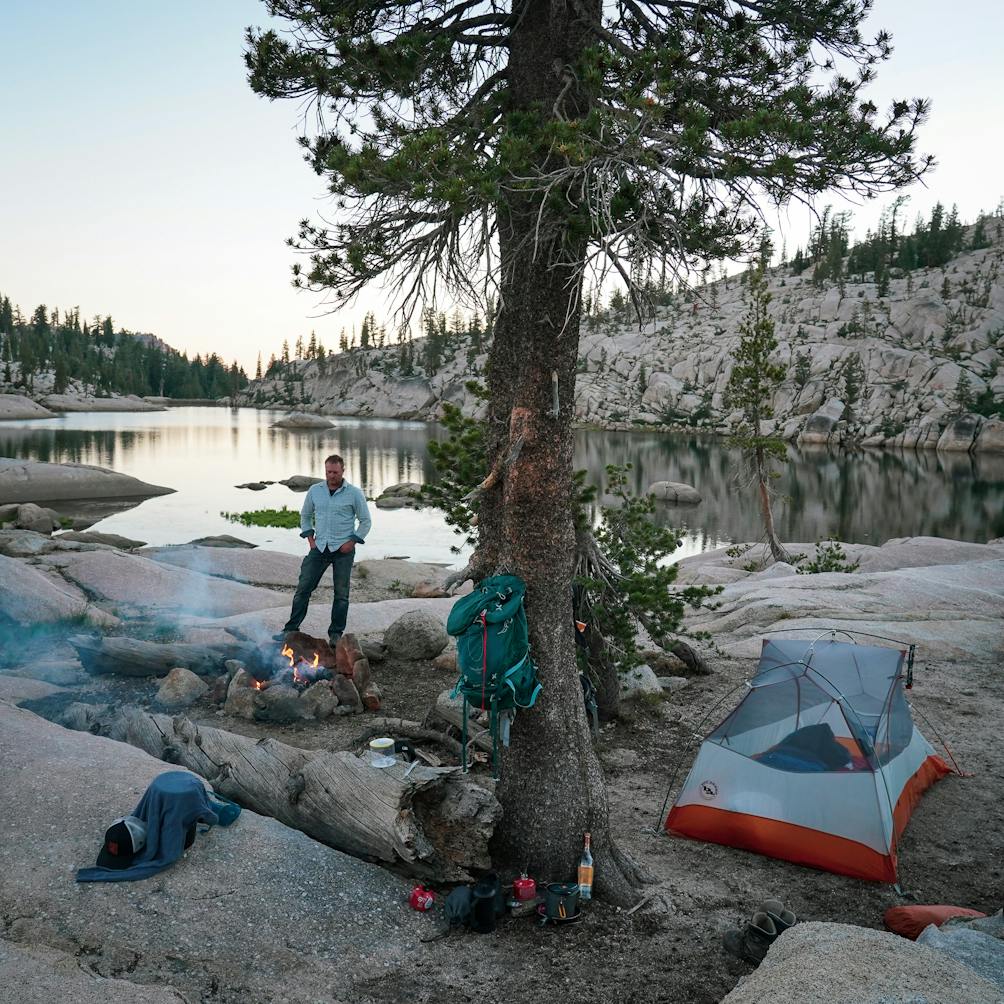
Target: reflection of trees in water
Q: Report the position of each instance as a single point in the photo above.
(866, 497)
(66, 446)
(375, 454)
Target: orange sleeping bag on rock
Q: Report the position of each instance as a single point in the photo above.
(909, 921)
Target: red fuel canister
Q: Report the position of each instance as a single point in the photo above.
(524, 889)
(421, 898)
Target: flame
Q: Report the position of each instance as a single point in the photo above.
(303, 671)
(257, 684)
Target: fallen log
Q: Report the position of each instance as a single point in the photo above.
(133, 657)
(433, 823)
(451, 710)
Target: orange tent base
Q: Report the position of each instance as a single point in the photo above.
(800, 844)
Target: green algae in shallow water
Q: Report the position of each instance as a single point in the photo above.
(285, 517)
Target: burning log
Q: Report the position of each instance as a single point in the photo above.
(433, 823)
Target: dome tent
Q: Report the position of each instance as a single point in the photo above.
(819, 764)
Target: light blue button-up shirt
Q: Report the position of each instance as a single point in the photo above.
(332, 518)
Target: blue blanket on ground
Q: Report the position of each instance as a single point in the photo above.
(174, 802)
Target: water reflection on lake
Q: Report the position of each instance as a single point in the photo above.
(867, 497)
(204, 452)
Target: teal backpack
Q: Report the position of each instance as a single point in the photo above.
(493, 654)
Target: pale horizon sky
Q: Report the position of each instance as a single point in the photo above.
(142, 178)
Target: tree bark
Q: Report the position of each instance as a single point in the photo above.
(552, 788)
(433, 823)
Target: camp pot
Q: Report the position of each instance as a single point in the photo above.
(561, 900)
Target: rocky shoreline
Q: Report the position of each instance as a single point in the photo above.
(902, 370)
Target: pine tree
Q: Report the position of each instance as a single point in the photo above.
(752, 384)
(542, 140)
(803, 369)
(284, 358)
(854, 385)
(257, 372)
(963, 394)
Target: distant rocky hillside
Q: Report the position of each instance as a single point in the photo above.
(918, 367)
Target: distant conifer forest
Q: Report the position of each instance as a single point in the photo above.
(97, 359)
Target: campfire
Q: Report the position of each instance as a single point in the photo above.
(303, 676)
(300, 662)
(305, 673)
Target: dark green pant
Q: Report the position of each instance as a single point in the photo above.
(313, 567)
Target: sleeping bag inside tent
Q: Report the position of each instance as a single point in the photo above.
(820, 764)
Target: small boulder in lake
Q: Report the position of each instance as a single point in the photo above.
(220, 540)
(300, 482)
(301, 420)
(404, 495)
(181, 688)
(94, 537)
(675, 491)
(416, 634)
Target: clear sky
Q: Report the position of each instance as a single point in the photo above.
(141, 178)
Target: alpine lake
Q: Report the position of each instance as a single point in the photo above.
(204, 452)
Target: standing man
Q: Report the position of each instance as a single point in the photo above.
(334, 518)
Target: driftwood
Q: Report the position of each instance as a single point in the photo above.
(434, 823)
(451, 710)
(132, 657)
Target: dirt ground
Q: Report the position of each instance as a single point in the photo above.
(670, 949)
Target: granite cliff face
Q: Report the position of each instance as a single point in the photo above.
(899, 370)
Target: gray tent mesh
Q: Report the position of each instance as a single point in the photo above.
(821, 706)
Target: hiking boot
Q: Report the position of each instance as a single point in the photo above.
(751, 942)
(280, 636)
(782, 918)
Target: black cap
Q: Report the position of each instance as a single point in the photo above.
(124, 839)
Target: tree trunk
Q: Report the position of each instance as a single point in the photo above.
(777, 550)
(552, 789)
